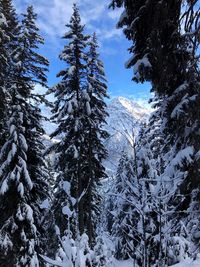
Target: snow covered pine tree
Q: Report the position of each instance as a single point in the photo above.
(80, 113)
(133, 209)
(3, 73)
(23, 173)
(95, 150)
(68, 113)
(9, 28)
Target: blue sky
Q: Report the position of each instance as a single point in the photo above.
(52, 17)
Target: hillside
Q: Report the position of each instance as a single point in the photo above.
(123, 123)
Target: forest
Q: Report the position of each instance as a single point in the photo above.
(59, 204)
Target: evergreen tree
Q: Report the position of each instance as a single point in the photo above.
(136, 225)
(68, 112)
(124, 215)
(3, 74)
(71, 253)
(80, 112)
(12, 31)
(94, 137)
(9, 29)
(23, 171)
(18, 231)
(102, 254)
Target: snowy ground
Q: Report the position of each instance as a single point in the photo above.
(127, 263)
(188, 263)
(185, 263)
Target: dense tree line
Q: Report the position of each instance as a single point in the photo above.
(164, 50)
(79, 110)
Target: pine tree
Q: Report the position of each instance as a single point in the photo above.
(3, 74)
(135, 209)
(94, 137)
(71, 253)
(9, 29)
(23, 172)
(18, 231)
(68, 112)
(80, 113)
(12, 31)
(124, 215)
(102, 253)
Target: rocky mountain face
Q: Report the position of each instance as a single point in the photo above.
(123, 124)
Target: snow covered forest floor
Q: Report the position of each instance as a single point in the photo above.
(185, 263)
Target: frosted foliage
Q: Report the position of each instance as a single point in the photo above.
(20, 189)
(66, 187)
(23, 142)
(178, 248)
(90, 87)
(45, 204)
(14, 149)
(179, 110)
(30, 260)
(76, 154)
(184, 155)
(144, 62)
(66, 211)
(121, 19)
(102, 255)
(34, 261)
(26, 173)
(3, 20)
(71, 70)
(181, 88)
(4, 187)
(29, 213)
(20, 215)
(66, 254)
(57, 230)
(86, 96)
(12, 129)
(5, 242)
(72, 253)
(88, 108)
(69, 107)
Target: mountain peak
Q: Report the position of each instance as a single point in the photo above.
(128, 105)
(125, 118)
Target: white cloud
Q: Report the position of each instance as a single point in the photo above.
(112, 33)
(54, 14)
(110, 51)
(115, 14)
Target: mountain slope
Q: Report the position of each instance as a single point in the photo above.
(124, 121)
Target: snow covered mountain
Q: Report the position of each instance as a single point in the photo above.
(123, 123)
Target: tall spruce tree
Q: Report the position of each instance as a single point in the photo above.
(94, 137)
(80, 112)
(68, 112)
(9, 29)
(135, 221)
(123, 212)
(23, 171)
(3, 74)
